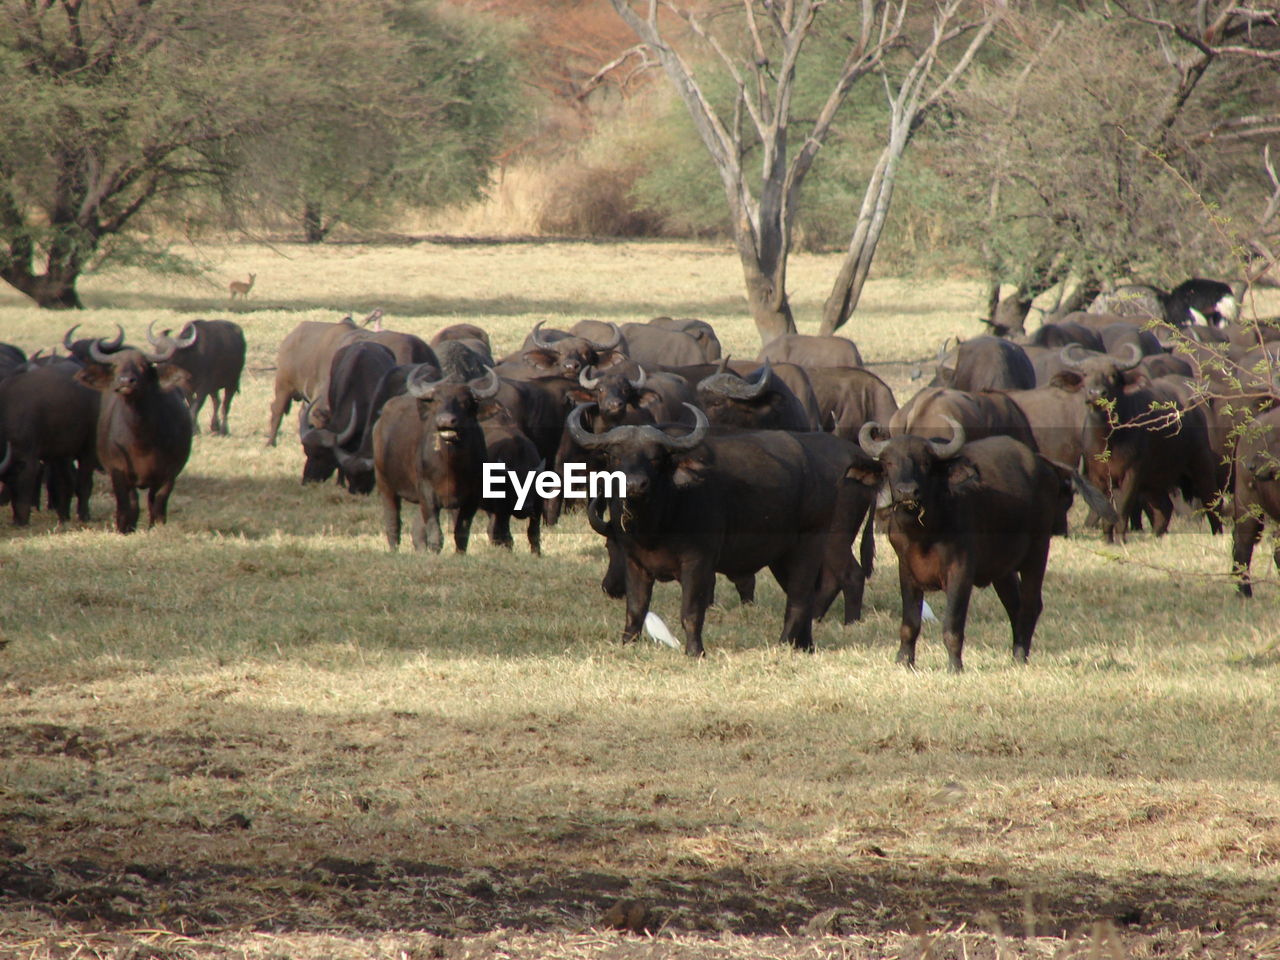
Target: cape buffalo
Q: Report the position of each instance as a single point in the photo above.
(215, 361)
(809, 351)
(144, 424)
(1257, 492)
(50, 421)
(731, 503)
(962, 515)
(429, 449)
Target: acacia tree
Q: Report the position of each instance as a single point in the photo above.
(113, 108)
(758, 45)
(421, 130)
(1114, 144)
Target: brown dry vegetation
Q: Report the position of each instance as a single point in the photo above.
(255, 733)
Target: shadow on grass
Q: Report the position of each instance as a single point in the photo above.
(259, 855)
(731, 308)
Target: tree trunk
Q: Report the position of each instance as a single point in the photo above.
(50, 291)
(313, 227)
(770, 308)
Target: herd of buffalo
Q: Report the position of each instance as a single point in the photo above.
(730, 467)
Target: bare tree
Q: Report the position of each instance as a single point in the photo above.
(758, 45)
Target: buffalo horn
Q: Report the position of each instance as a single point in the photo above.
(348, 432)
(735, 387)
(868, 442)
(97, 353)
(945, 451)
(487, 388)
(583, 437)
(1067, 354)
(590, 383)
(612, 344)
(187, 336)
(595, 517)
(693, 438)
(536, 336)
(113, 345)
(639, 384)
(417, 385)
(66, 337)
(1136, 353)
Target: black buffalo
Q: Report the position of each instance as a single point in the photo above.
(215, 362)
(963, 515)
(144, 425)
(731, 503)
(50, 423)
(429, 449)
(986, 363)
(1257, 492)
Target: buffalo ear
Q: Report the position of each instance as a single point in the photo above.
(543, 359)
(577, 395)
(1067, 380)
(689, 472)
(96, 376)
(961, 473)
(866, 470)
(648, 398)
(610, 358)
(171, 375)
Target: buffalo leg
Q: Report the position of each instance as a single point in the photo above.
(280, 405)
(126, 495)
(1160, 507)
(1124, 508)
(797, 575)
(500, 529)
(197, 403)
(390, 517)
(535, 533)
(639, 592)
(418, 531)
(1010, 593)
(746, 587)
(84, 487)
(959, 590)
(697, 584)
(60, 487)
(227, 394)
(158, 503)
(1030, 600)
(462, 528)
(430, 511)
(1247, 532)
(912, 608)
(614, 581)
(24, 484)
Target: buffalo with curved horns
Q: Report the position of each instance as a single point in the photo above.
(961, 515)
(144, 423)
(698, 503)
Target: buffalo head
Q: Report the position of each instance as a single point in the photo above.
(914, 472)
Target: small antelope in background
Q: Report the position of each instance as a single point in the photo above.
(242, 288)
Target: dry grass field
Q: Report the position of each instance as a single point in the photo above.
(256, 733)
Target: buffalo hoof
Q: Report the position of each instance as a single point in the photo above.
(1020, 655)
